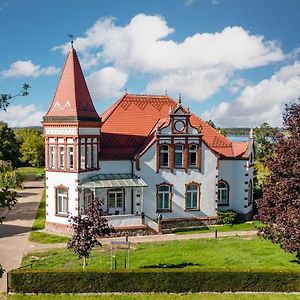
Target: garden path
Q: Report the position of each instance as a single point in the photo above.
(34, 247)
(16, 227)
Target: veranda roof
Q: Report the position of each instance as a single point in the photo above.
(112, 181)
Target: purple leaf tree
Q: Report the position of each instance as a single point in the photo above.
(88, 228)
(279, 208)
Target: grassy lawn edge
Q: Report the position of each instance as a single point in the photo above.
(39, 224)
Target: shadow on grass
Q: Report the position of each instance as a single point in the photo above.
(296, 261)
(170, 266)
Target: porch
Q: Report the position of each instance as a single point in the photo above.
(122, 196)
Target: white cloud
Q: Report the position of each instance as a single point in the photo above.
(198, 66)
(106, 83)
(215, 2)
(261, 102)
(195, 85)
(188, 2)
(23, 68)
(22, 115)
(236, 85)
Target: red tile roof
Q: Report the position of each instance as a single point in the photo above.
(72, 98)
(129, 126)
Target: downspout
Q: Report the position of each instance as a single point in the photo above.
(132, 173)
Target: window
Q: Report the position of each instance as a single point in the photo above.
(95, 156)
(115, 198)
(192, 155)
(178, 155)
(192, 196)
(51, 157)
(88, 197)
(70, 157)
(164, 155)
(61, 157)
(250, 193)
(163, 197)
(82, 157)
(223, 193)
(89, 156)
(61, 201)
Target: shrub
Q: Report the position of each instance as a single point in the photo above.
(169, 281)
(228, 217)
(11, 180)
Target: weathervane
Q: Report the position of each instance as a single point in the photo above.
(71, 36)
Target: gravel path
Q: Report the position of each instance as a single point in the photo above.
(16, 227)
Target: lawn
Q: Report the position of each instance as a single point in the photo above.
(31, 173)
(202, 296)
(222, 253)
(222, 228)
(39, 224)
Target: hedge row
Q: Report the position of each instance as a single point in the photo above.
(169, 281)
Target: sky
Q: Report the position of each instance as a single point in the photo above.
(235, 62)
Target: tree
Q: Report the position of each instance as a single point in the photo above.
(88, 228)
(32, 146)
(213, 125)
(279, 207)
(9, 148)
(5, 99)
(264, 137)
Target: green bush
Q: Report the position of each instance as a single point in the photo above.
(11, 180)
(228, 217)
(169, 281)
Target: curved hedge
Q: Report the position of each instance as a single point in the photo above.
(169, 281)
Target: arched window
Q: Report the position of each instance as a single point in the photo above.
(192, 196)
(62, 201)
(223, 193)
(192, 155)
(164, 155)
(164, 196)
(178, 155)
(250, 193)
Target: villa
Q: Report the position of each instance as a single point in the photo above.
(147, 156)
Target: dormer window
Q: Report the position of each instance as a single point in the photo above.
(164, 155)
(178, 155)
(192, 155)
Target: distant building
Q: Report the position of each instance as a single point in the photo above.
(145, 156)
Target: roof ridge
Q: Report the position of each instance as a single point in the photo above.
(111, 109)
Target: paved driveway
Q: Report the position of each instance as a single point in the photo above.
(16, 227)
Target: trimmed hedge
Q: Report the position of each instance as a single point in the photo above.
(169, 281)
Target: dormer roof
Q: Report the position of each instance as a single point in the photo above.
(72, 100)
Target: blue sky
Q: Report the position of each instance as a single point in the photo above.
(236, 62)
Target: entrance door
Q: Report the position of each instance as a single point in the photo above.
(115, 201)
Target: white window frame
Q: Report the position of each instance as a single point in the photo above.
(82, 156)
(165, 198)
(191, 193)
(95, 156)
(115, 194)
(221, 192)
(70, 154)
(89, 156)
(51, 156)
(61, 157)
(61, 201)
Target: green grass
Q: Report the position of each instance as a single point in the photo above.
(222, 228)
(202, 296)
(39, 224)
(222, 253)
(31, 173)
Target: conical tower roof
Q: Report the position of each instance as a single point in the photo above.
(72, 100)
